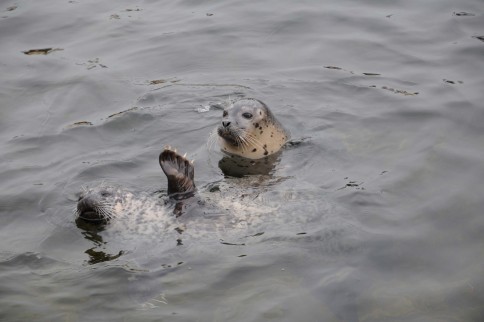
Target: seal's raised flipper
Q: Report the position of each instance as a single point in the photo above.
(179, 172)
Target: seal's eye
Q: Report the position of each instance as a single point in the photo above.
(247, 115)
(225, 113)
(105, 193)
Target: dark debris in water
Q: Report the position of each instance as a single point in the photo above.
(170, 265)
(126, 12)
(448, 81)
(157, 81)
(399, 91)
(92, 63)
(352, 184)
(481, 38)
(350, 71)
(122, 112)
(12, 8)
(81, 123)
(162, 81)
(333, 67)
(87, 123)
(396, 91)
(463, 14)
(42, 51)
(231, 244)
(256, 235)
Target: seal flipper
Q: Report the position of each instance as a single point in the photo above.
(179, 172)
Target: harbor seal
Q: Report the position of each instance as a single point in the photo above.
(102, 203)
(250, 130)
(141, 212)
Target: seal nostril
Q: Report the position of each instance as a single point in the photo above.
(225, 123)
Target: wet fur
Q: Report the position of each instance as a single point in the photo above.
(102, 203)
(253, 138)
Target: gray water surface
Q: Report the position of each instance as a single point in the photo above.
(376, 215)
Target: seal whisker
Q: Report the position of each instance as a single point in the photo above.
(254, 141)
(105, 214)
(247, 142)
(243, 141)
(212, 138)
(239, 139)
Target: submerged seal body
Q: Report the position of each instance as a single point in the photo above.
(250, 130)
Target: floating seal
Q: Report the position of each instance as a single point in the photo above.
(103, 203)
(250, 130)
(143, 213)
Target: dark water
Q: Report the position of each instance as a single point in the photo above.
(379, 211)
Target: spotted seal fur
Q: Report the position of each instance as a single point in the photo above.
(138, 213)
(250, 130)
(102, 203)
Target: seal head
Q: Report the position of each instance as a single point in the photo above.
(98, 204)
(249, 129)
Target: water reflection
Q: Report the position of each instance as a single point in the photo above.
(236, 166)
(91, 232)
(96, 257)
